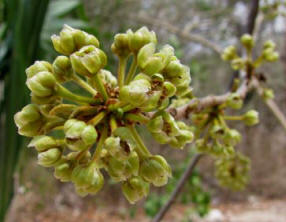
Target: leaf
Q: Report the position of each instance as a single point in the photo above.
(62, 7)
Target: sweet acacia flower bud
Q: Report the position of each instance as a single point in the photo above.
(50, 157)
(168, 89)
(268, 94)
(155, 170)
(63, 170)
(88, 60)
(234, 101)
(88, 178)
(270, 55)
(38, 66)
(136, 93)
(42, 85)
(217, 130)
(62, 69)
(237, 64)
(229, 53)
(29, 121)
(42, 143)
(140, 38)
(269, 44)
(120, 45)
(71, 40)
(117, 148)
(79, 135)
(135, 189)
(107, 78)
(232, 137)
(120, 170)
(251, 118)
(247, 41)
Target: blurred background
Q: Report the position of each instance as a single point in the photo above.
(35, 195)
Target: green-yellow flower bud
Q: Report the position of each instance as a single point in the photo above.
(232, 137)
(50, 157)
(135, 189)
(120, 45)
(247, 41)
(63, 170)
(62, 69)
(229, 53)
(155, 170)
(88, 177)
(140, 38)
(269, 44)
(237, 64)
(42, 143)
(38, 66)
(79, 135)
(268, 94)
(88, 60)
(251, 118)
(234, 101)
(107, 78)
(168, 89)
(29, 121)
(71, 40)
(270, 55)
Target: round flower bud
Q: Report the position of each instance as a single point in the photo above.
(63, 171)
(136, 93)
(135, 189)
(71, 40)
(232, 137)
(42, 85)
(168, 89)
(87, 177)
(29, 121)
(117, 148)
(42, 143)
(234, 101)
(50, 157)
(140, 38)
(155, 170)
(217, 130)
(79, 135)
(156, 124)
(237, 64)
(38, 66)
(229, 53)
(269, 45)
(268, 94)
(62, 69)
(107, 78)
(247, 41)
(88, 60)
(251, 118)
(120, 45)
(270, 55)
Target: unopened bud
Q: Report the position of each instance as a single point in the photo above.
(38, 66)
(247, 41)
(62, 68)
(140, 38)
(50, 157)
(42, 143)
(251, 118)
(234, 101)
(229, 53)
(135, 189)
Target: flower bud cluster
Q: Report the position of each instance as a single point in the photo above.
(268, 54)
(233, 171)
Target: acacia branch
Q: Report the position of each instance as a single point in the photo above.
(180, 32)
(193, 162)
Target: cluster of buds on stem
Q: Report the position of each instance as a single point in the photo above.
(80, 135)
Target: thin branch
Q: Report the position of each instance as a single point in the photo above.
(251, 20)
(193, 162)
(171, 28)
(272, 106)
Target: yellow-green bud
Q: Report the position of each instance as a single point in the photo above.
(62, 69)
(38, 66)
(79, 135)
(229, 53)
(251, 118)
(87, 177)
(117, 148)
(234, 101)
(247, 41)
(269, 44)
(88, 60)
(156, 124)
(29, 121)
(155, 170)
(107, 78)
(270, 55)
(50, 157)
(42, 143)
(71, 40)
(237, 64)
(140, 38)
(120, 45)
(268, 94)
(135, 189)
(217, 131)
(232, 137)
(43, 84)
(136, 93)
(168, 89)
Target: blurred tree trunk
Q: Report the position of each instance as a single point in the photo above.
(24, 20)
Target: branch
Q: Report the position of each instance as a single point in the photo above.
(272, 106)
(199, 104)
(251, 20)
(193, 162)
(182, 33)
